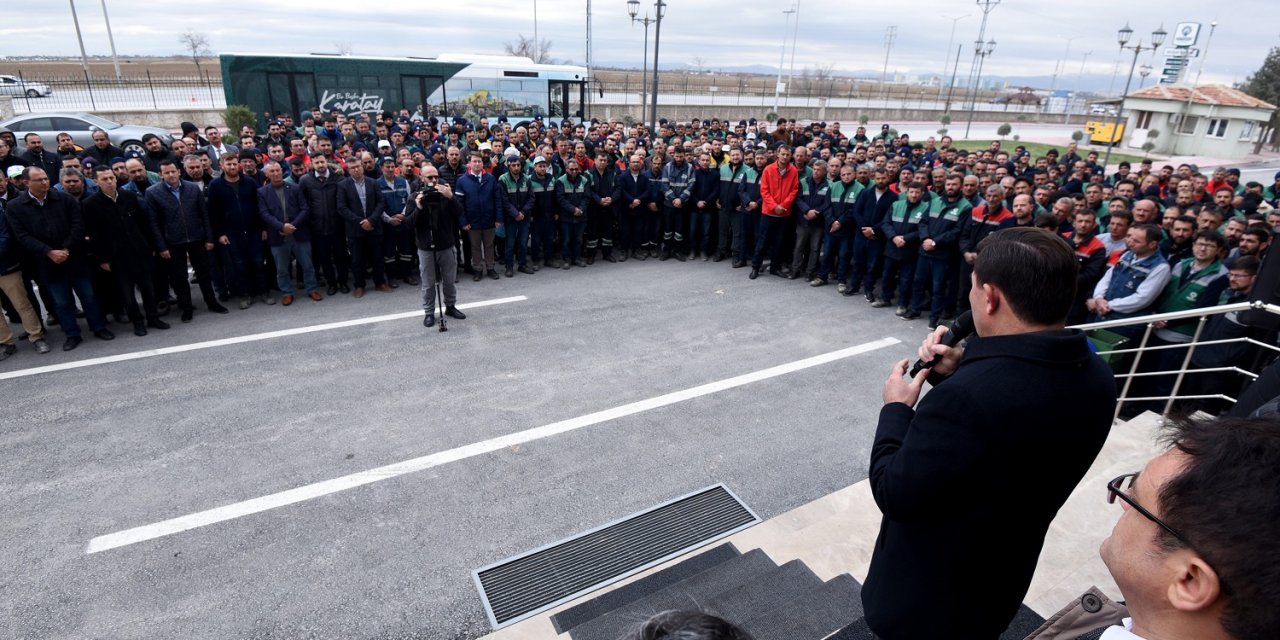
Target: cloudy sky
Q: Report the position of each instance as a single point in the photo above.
(1031, 34)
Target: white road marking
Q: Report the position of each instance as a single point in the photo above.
(324, 488)
(210, 344)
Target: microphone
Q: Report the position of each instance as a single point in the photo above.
(960, 329)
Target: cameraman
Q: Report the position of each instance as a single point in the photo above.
(969, 481)
(434, 215)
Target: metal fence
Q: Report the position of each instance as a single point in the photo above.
(758, 91)
(87, 93)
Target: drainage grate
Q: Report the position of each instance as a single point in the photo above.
(527, 584)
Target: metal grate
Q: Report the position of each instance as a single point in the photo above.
(527, 584)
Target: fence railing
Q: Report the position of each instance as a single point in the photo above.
(147, 91)
(1132, 358)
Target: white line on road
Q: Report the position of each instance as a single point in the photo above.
(209, 344)
(324, 488)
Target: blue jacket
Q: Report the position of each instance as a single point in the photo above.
(273, 217)
(177, 220)
(481, 200)
(869, 212)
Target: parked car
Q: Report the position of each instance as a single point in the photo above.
(1102, 110)
(81, 126)
(13, 86)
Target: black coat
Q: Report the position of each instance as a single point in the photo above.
(40, 229)
(353, 211)
(50, 161)
(436, 224)
(119, 231)
(969, 481)
(322, 201)
(633, 188)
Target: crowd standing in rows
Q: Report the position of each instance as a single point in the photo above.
(343, 205)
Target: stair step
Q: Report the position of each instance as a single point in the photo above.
(626, 594)
(815, 613)
(689, 593)
(756, 596)
(1020, 627)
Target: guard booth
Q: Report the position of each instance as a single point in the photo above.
(447, 86)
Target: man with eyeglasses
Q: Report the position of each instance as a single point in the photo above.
(969, 480)
(1196, 549)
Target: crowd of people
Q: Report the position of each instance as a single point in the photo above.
(334, 204)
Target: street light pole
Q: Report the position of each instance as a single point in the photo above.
(950, 42)
(1066, 116)
(84, 58)
(633, 7)
(110, 38)
(660, 8)
(1157, 38)
(1053, 86)
(777, 87)
(795, 34)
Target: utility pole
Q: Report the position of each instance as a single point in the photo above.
(889, 35)
(1062, 67)
(795, 33)
(986, 6)
(84, 58)
(948, 58)
(110, 38)
(777, 88)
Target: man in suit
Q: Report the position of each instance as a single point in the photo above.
(181, 230)
(969, 480)
(360, 203)
(216, 148)
(120, 234)
(633, 194)
(48, 225)
(328, 236)
(283, 210)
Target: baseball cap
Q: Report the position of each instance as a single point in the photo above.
(15, 171)
(133, 154)
(884, 127)
(725, 148)
(384, 143)
(539, 160)
(117, 160)
(751, 136)
(386, 160)
(511, 151)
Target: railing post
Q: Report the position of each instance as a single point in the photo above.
(89, 84)
(1186, 361)
(154, 103)
(1128, 381)
(25, 95)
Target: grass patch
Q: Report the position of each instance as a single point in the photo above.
(1037, 149)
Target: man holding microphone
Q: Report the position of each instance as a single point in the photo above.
(969, 477)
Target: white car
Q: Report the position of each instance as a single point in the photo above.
(14, 86)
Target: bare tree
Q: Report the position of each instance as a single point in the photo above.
(699, 62)
(539, 52)
(343, 48)
(196, 45)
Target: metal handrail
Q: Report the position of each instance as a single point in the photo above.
(1202, 315)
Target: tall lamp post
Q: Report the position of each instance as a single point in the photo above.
(633, 7)
(986, 6)
(660, 8)
(1123, 36)
(950, 42)
(777, 87)
(1144, 71)
(981, 50)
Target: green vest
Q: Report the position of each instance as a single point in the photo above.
(898, 211)
(1184, 290)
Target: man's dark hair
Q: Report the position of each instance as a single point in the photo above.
(167, 162)
(1151, 231)
(1034, 268)
(1046, 221)
(1263, 233)
(1225, 503)
(687, 625)
(1212, 236)
(148, 137)
(1247, 264)
(1191, 220)
(1123, 215)
(101, 168)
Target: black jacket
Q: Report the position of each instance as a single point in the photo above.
(177, 220)
(39, 229)
(353, 212)
(436, 224)
(119, 230)
(969, 481)
(50, 161)
(631, 189)
(322, 201)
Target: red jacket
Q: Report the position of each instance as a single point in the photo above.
(778, 190)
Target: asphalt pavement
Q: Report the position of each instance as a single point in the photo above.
(117, 445)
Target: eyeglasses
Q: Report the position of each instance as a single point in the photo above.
(1241, 275)
(1120, 487)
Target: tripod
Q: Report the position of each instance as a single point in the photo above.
(439, 294)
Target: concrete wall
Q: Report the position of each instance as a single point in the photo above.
(6, 107)
(165, 119)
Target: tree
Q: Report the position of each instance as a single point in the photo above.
(699, 62)
(539, 52)
(343, 48)
(1264, 84)
(196, 46)
(1077, 135)
(237, 117)
(863, 119)
(1004, 130)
